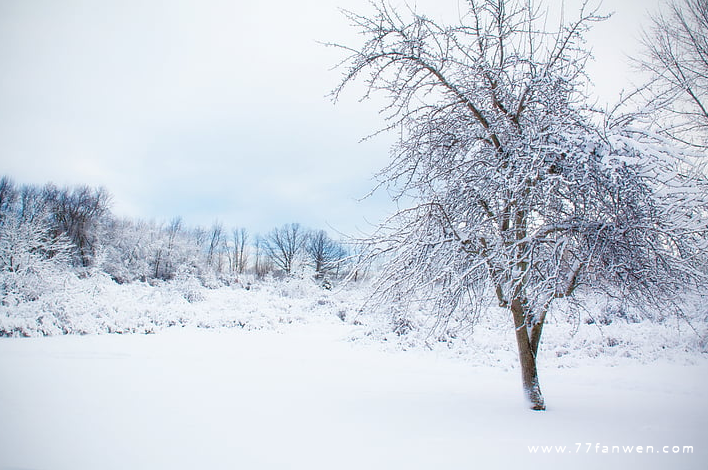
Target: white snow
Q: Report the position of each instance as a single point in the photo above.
(303, 395)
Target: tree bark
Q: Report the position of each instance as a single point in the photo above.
(527, 356)
(535, 331)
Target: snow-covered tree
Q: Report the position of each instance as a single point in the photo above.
(125, 253)
(138, 250)
(510, 184)
(676, 58)
(32, 259)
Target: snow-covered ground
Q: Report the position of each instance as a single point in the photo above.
(292, 379)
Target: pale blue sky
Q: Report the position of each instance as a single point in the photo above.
(209, 109)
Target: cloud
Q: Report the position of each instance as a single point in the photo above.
(206, 109)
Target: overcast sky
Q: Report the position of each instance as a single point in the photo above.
(211, 109)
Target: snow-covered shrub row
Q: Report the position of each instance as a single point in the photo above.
(597, 329)
(97, 305)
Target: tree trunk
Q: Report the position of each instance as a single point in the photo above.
(527, 356)
(535, 332)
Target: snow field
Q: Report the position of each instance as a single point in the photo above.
(288, 375)
(307, 398)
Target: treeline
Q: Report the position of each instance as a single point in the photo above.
(47, 229)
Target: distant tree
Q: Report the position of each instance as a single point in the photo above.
(119, 252)
(325, 254)
(129, 251)
(509, 183)
(284, 246)
(139, 250)
(8, 196)
(262, 263)
(676, 57)
(76, 214)
(240, 257)
(258, 256)
(164, 242)
(32, 258)
(172, 261)
(35, 203)
(160, 253)
(213, 250)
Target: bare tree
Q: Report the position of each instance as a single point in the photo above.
(285, 245)
(261, 264)
(8, 196)
(240, 238)
(215, 241)
(77, 214)
(676, 57)
(517, 188)
(325, 254)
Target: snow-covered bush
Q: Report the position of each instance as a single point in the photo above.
(189, 287)
(32, 259)
(144, 251)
